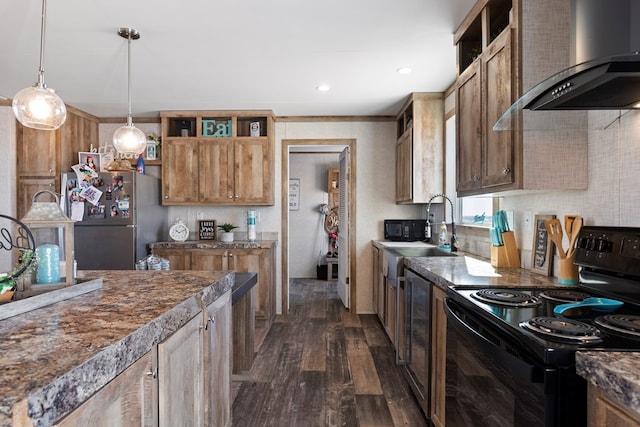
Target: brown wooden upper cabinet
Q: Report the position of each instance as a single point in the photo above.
(218, 157)
(420, 148)
(504, 47)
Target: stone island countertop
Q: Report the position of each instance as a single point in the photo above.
(56, 357)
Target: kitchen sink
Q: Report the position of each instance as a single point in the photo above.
(422, 252)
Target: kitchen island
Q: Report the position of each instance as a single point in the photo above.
(56, 357)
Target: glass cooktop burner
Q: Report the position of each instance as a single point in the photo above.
(563, 329)
(508, 297)
(624, 324)
(563, 295)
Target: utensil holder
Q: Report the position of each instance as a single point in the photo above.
(507, 254)
(567, 271)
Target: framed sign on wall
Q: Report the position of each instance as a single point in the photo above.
(207, 229)
(294, 194)
(542, 247)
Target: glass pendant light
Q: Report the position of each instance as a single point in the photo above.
(38, 106)
(129, 139)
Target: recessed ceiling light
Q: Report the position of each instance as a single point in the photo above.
(404, 70)
(323, 87)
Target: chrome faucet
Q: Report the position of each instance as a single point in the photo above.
(427, 231)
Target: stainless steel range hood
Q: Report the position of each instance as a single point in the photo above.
(606, 77)
(610, 83)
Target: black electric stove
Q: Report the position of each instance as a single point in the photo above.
(609, 260)
(511, 344)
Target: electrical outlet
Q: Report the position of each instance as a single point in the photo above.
(200, 215)
(527, 219)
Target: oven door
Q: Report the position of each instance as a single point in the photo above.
(490, 383)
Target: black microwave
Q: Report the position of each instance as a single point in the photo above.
(404, 230)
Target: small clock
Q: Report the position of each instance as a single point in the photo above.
(179, 231)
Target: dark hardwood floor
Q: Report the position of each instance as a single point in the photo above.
(320, 365)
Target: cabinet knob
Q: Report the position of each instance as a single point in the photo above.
(231, 197)
(152, 373)
(476, 178)
(506, 171)
(166, 197)
(230, 255)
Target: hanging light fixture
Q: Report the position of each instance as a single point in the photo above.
(38, 106)
(128, 139)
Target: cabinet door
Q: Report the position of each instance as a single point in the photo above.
(391, 311)
(438, 356)
(126, 401)
(258, 261)
(469, 129)
(498, 147)
(253, 161)
(180, 171)
(216, 171)
(404, 167)
(77, 133)
(209, 259)
(180, 376)
(217, 367)
(36, 152)
(27, 187)
(179, 259)
(382, 289)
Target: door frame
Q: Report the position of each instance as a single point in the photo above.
(286, 144)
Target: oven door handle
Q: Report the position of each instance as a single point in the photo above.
(515, 365)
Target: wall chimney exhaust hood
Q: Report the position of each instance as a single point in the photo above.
(610, 83)
(606, 77)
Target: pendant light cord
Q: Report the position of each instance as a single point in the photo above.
(129, 118)
(42, 33)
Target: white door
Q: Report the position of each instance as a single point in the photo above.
(343, 229)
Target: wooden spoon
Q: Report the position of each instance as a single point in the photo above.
(554, 230)
(568, 223)
(575, 231)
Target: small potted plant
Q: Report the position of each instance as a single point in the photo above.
(227, 235)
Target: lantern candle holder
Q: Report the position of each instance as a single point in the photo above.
(53, 233)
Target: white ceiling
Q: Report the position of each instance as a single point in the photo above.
(242, 54)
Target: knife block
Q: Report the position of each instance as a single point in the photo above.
(507, 254)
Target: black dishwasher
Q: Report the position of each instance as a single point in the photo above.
(416, 351)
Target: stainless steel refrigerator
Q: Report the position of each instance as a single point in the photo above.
(118, 214)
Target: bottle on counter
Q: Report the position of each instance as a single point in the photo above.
(443, 237)
(140, 165)
(251, 225)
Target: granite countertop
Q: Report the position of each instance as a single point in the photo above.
(57, 356)
(617, 374)
(463, 270)
(215, 244)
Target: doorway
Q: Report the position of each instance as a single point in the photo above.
(311, 145)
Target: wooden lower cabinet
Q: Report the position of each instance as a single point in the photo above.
(379, 292)
(438, 356)
(183, 381)
(391, 313)
(604, 412)
(218, 360)
(241, 260)
(180, 376)
(126, 401)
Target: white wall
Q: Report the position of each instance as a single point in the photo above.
(613, 196)
(308, 239)
(375, 187)
(7, 175)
